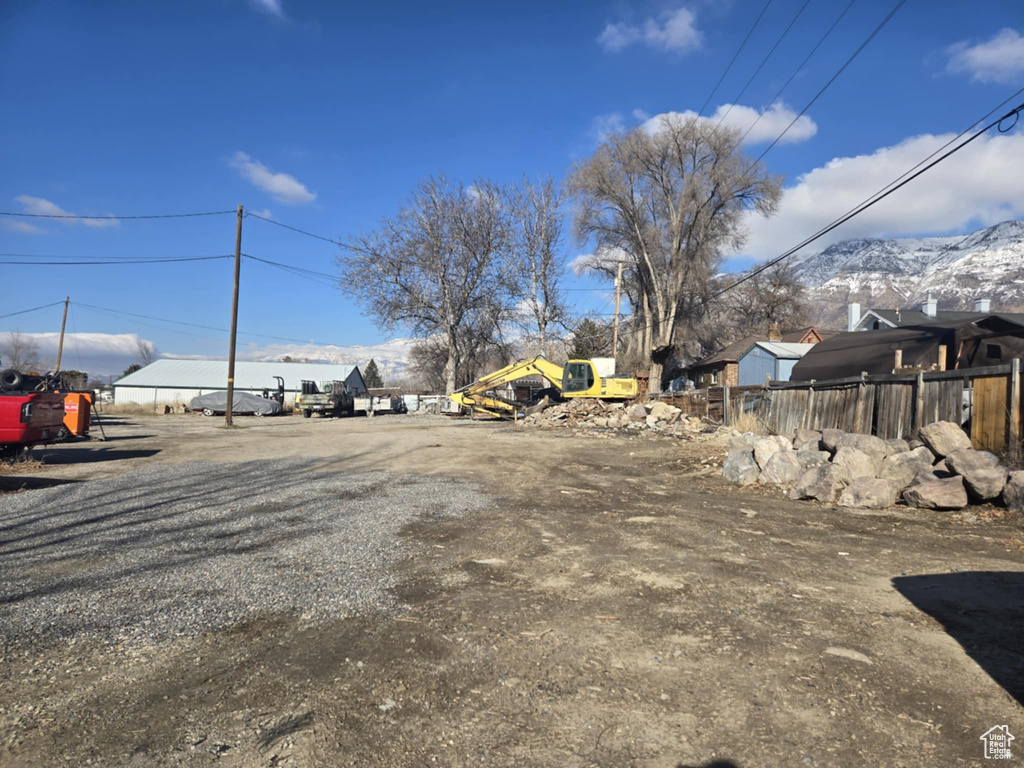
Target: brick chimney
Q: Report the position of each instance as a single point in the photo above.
(774, 333)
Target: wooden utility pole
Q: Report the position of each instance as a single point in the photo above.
(615, 333)
(60, 344)
(234, 322)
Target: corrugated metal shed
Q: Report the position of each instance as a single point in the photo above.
(169, 380)
(770, 358)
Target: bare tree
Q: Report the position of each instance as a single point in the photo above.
(21, 352)
(538, 258)
(673, 200)
(145, 352)
(772, 297)
(437, 266)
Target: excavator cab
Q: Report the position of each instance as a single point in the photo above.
(579, 376)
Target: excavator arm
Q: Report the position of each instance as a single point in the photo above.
(475, 396)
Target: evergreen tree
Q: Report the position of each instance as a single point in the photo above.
(371, 376)
(590, 339)
(131, 369)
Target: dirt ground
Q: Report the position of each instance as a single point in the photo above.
(631, 609)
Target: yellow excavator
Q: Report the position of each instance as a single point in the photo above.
(579, 378)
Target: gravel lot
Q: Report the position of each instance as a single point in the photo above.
(166, 552)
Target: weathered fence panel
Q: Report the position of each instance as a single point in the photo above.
(987, 401)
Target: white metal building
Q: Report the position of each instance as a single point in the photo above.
(178, 381)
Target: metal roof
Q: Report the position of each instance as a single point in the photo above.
(785, 349)
(213, 374)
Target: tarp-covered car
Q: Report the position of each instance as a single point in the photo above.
(244, 404)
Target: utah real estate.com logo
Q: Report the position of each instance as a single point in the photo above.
(997, 742)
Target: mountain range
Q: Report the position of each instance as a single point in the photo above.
(902, 272)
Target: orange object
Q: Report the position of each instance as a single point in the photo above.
(77, 410)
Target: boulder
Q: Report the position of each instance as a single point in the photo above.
(896, 446)
(737, 442)
(823, 482)
(914, 443)
(767, 447)
(741, 468)
(944, 437)
(869, 444)
(966, 459)
(807, 439)
(810, 458)
(986, 484)
(783, 468)
(1013, 492)
(901, 467)
(855, 463)
(637, 412)
(830, 439)
(652, 420)
(664, 412)
(928, 475)
(937, 494)
(869, 493)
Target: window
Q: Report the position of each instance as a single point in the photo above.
(579, 377)
(993, 352)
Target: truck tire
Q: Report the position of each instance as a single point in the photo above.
(11, 379)
(351, 411)
(307, 414)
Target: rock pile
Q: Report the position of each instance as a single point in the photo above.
(655, 415)
(940, 470)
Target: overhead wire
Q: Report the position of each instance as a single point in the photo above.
(111, 216)
(734, 57)
(294, 229)
(34, 309)
(796, 71)
(108, 261)
(764, 61)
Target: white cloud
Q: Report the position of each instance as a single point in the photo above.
(979, 186)
(999, 60)
(671, 31)
(603, 126)
(771, 124)
(14, 225)
(269, 7)
(43, 207)
(639, 114)
(100, 354)
(281, 186)
(265, 213)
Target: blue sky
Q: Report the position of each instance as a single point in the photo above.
(324, 116)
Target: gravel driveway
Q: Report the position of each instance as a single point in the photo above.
(171, 551)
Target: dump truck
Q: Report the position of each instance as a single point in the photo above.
(578, 378)
(328, 398)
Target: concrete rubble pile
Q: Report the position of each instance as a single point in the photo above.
(939, 470)
(655, 416)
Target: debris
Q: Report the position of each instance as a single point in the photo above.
(653, 416)
(846, 653)
(490, 561)
(388, 705)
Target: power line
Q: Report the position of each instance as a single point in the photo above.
(734, 57)
(294, 229)
(110, 260)
(298, 271)
(764, 60)
(111, 217)
(899, 4)
(34, 309)
(797, 70)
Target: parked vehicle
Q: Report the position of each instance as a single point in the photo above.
(328, 398)
(243, 404)
(28, 416)
(373, 405)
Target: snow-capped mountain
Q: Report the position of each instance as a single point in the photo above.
(902, 272)
(392, 357)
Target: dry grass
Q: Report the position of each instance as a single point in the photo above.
(747, 422)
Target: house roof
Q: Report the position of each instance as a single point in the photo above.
(784, 350)
(213, 374)
(729, 354)
(904, 317)
(850, 354)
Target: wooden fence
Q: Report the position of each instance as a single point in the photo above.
(986, 401)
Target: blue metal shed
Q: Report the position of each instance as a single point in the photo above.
(770, 358)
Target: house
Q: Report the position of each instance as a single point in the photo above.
(988, 339)
(774, 359)
(722, 367)
(884, 319)
(173, 381)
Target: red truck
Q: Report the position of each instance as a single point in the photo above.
(28, 418)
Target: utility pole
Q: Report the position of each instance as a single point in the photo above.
(615, 333)
(234, 322)
(60, 344)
